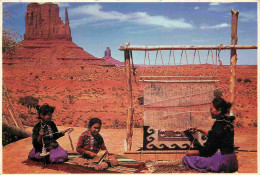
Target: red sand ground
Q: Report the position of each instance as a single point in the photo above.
(15, 154)
(80, 91)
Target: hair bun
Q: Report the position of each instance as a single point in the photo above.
(232, 118)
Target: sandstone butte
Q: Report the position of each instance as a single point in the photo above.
(109, 59)
(48, 41)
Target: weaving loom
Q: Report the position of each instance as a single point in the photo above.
(173, 104)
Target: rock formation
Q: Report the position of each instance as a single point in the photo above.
(111, 60)
(48, 42)
(43, 22)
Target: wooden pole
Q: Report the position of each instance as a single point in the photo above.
(233, 60)
(187, 47)
(130, 111)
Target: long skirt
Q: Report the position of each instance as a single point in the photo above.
(57, 155)
(216, 163)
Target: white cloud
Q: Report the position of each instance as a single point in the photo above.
(206, 27)
(62, 4)
(96, 13)
(248, 16)
(196, 8)
(219, 7)
(214, 3)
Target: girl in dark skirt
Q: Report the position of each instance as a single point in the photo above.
(217, 154)
(45, 134)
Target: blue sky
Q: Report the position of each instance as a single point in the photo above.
(96, 26)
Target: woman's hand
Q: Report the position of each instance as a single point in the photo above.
(192, 153)
(67, 130)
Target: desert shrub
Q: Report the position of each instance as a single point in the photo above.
(253, 123)
(28, 120)
(247, 80)
(239, 79)
(36, 76)
(239, 124)
(71, 77)
(71, 97)
(29, 102)
(137, 124)
(118, 125)
(11, 134)
(82, 67)
(140, 100)
(70, 122)
(115, 123)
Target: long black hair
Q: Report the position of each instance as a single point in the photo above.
(221, 105)
(44, 110)
(94, 121)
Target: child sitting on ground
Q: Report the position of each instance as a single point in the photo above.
(45, 134)
(91, 142)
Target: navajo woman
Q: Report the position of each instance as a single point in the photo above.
(220, 137)
(45, 134)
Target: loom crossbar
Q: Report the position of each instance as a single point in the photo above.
(187, 47)
(202, 77)
(180, 81)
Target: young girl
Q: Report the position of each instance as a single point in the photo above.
(45, 134)
(90, 142)
(220, 137)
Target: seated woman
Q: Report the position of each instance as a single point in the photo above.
(45, 134)
(220, 137)
(90, 142)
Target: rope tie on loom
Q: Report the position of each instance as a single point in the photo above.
(194, 56)
(145, 54)
(161, 57)
(199, 55)
(181, 56)
(207, 57)
(156, 57)
(186, 57)
(169, 57)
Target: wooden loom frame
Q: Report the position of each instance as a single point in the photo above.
(233, 60)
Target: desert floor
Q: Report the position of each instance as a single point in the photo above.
(15, 154)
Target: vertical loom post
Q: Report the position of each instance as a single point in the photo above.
(129, 127)
(233, 59)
